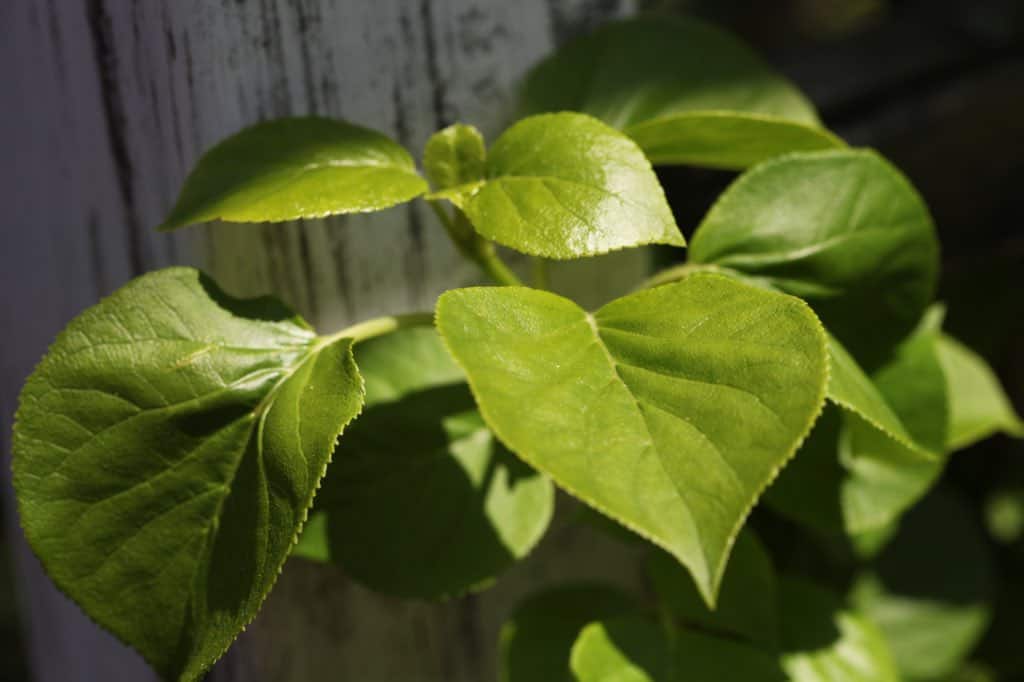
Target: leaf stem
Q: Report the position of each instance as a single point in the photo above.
(474, 247)
(379, 326)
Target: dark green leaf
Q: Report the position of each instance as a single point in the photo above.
(632, 649)
(634, 408)
(166, 452)
(296, 168)
(746, 605)
(684, 90)
(843, 230)
(566, 186)
(536, 640)
(421, 500)
(929, 590)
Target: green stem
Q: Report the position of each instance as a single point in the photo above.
(474, 247)
(379, 326)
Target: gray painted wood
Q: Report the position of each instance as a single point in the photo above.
(109, 103)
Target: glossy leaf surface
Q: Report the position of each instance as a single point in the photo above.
(633, 409)
(565, 186)
(537, 638)
(421, 500)
(843, 230)
(703, 97)
(166, 452)
(294, 168)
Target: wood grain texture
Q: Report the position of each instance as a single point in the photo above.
(111, 103)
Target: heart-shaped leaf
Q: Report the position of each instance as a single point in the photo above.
(166, 452)
(703, 98)
(843, 230)
(634, 408)
(294, 168)
(537, 638)
(421, 500)
(566, 186)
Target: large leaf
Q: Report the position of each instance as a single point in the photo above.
(536, 639)
(929, 590)
(565, 186)
(634, 409)
(684, 90)
(166, 452)
(746, 605)
(421, 500)
(633, 649)
(843, 230)
(296, 168)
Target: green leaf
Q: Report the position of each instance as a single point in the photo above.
(634, 409)
(632, 649)
(824, 642)
(294, 168)
(421, 500)
(843, 230)
(978, 407)
(536, 639)
(455, 156)
(166, 451)
(884, 477)
(746, 605)
(565, 186)
(930, 589)
(684, 90)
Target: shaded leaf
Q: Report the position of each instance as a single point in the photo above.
(166, 452)
(929, 591)
(421, 500)
(565, 186)
(536, 639)
(294, 168)
(746, 604)
(843, 230)
(633, 649)
(633, 409)
(686, 91)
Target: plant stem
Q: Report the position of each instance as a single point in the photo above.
(474, 247)
(379, 326)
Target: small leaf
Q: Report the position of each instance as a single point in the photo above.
(166, 451)
(823, 642)
(684, 90)
(746, 606)
(567, 186)
(634, 409)
(536, 640)
(843, 230)
(929, 592)
(455, 156)
(421, 500)
(294, 168)
(633, 649)
(978, 407)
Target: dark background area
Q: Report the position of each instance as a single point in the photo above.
(938, 87)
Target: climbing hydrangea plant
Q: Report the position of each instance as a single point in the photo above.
(174, 441)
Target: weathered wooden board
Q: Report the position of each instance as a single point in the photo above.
(107, 104)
